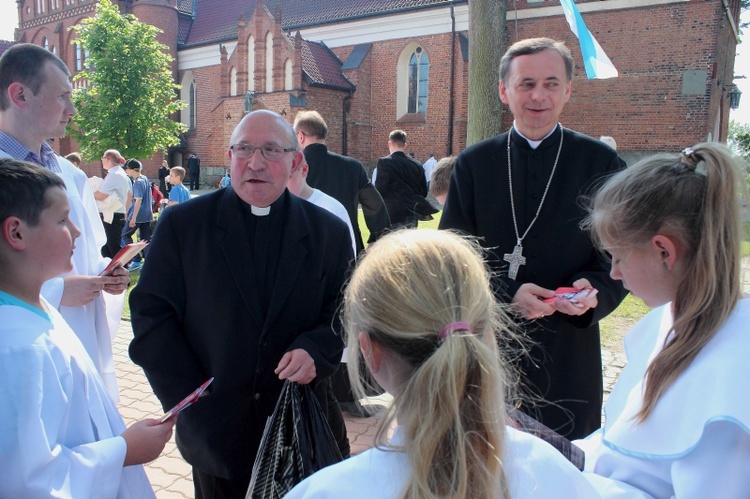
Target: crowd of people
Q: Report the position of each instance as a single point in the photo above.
(497, 312)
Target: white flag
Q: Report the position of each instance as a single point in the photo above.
(595, 61)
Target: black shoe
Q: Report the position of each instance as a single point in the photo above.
(358, 410)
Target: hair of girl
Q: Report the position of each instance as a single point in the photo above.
(693, 198)
(450, 405)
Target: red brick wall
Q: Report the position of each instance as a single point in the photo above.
(643, 109)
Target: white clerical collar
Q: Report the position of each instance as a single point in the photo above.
(260, 212)
(533, 143)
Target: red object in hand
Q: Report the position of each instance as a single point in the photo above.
(187, 401)
(572, 295)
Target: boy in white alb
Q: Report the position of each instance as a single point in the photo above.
(60, 432)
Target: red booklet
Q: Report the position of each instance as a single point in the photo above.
(573, 295)
(187, 401)
(124, 256)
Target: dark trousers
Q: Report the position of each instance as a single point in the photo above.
(144, 234)
(212, 487)
(114, 235)
(327, 400)
(195, 180)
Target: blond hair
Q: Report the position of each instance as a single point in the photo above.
(179, 171)
(311, 123)
(451, 404)
(440, 178)
(694, 198)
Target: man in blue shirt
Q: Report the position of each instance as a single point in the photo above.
(140, 213)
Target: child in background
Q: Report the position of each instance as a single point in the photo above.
(60, 433)
(178, 193)
(75, 158)
(226, 180)
(441, 177)
(677, 422)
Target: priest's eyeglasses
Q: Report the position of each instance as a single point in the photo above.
(268, 152)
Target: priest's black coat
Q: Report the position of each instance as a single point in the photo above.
(564, 367)
(197, 312)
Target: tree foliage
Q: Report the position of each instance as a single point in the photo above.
(738, 139)
(129, 91)
(486, 46)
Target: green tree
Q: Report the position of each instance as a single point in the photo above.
(129, 92)
(738, 138)
(486, 46)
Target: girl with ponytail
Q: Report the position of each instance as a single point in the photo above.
(420, 309)
(678, 420)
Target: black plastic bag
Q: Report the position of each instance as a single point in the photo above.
(296, 443)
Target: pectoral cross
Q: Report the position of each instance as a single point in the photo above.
(515, 259)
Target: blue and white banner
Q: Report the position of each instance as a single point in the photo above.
(595, 61)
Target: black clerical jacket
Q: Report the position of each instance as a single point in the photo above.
(344, 179)
(197, 313)
(402, 184)
(565, 366)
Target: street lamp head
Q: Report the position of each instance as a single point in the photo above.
(734, 97)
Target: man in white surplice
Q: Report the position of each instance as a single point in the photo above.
(35, 106)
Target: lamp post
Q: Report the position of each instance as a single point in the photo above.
(734, 97)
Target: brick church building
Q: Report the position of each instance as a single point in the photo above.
(369, 66)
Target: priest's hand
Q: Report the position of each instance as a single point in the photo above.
(146, 439)
(117, 282)
(297, 366)
(580, 306)
(527, 302)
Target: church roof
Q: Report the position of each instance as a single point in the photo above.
(322, 67)
(215, 21)
(5, 45)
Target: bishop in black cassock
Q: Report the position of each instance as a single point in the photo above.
(563, 373)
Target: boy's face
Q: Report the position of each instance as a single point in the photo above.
(174, 179)
(51, 243)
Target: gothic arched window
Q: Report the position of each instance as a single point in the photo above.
(419, 67)
(412, 80)
(269, 62)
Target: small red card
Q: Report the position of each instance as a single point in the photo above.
(572, 295)
(187, 401)
(124, 256)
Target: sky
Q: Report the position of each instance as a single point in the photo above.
(9, 21)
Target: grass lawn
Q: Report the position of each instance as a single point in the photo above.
(133, 281)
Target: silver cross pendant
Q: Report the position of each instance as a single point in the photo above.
(515, 259)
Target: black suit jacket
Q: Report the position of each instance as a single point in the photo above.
(402, 184)
(196, 313)
(564, 366)
(193, 163)
(344, 179)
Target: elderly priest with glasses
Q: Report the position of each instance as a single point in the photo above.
(242, 284)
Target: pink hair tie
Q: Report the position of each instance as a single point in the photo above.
(453, 327)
